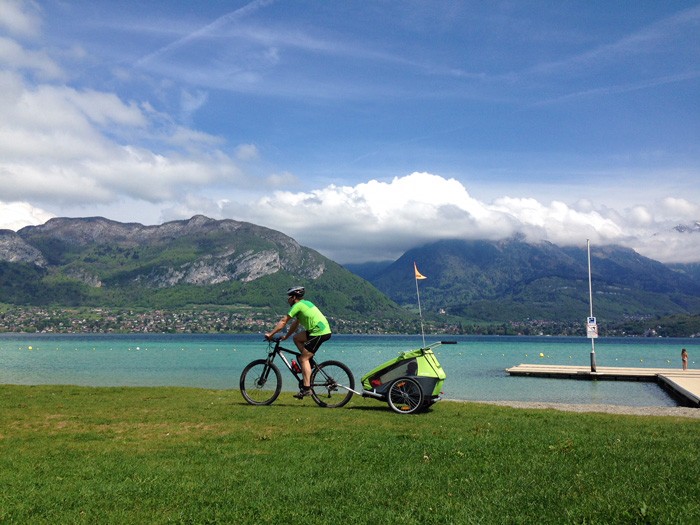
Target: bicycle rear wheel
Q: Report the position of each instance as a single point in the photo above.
(261, 382)
(332, 384)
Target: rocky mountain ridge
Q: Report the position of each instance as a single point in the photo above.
(96, 261)
(224, 246)
(14, 249)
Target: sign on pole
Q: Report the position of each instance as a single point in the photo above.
(591, 328)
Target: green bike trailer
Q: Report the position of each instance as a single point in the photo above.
(410, 382)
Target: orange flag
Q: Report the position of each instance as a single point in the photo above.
(418, 274)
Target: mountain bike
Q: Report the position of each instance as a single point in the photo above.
(332, 382)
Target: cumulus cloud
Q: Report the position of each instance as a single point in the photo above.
(381, 220)
(61, 145)
(378, 220)
(17, 215)
(74, 146)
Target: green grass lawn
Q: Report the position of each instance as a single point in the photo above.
(176, 455)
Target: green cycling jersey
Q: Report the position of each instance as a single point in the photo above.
(310, 317)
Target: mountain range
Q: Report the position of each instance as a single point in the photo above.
(201, 261)
(511, 279)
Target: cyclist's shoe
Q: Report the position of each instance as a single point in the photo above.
(305, 391)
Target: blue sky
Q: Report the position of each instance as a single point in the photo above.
(360, 128)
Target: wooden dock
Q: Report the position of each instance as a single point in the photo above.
(683, 385)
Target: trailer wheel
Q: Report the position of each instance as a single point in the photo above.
(405, 396)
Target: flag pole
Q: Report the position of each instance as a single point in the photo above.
(420, 312)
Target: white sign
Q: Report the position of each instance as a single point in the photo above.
(591, 328)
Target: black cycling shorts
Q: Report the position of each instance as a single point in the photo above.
(313, 342)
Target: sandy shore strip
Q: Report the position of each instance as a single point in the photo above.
(608, 409)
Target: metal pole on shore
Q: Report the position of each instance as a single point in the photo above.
(590, 300)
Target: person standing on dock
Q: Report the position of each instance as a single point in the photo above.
(684, 359)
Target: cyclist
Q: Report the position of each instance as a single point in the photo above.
(316, 332)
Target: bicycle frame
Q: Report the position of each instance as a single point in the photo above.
(278, 350)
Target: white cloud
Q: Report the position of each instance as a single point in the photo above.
(17, 215)
(191, 102)
(279, 180)
(13, 56)
(247, 152)
(379, 220)
(20, 18)
(62, 145)
(680, 208)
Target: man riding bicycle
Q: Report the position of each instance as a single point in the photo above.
(316, 332)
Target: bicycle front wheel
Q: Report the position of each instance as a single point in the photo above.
(261, 382)
(332, 384)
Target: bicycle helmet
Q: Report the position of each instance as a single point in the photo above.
(296, 291)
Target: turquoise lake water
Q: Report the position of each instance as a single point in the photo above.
(475, 366)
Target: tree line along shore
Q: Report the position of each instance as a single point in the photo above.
(26, 319)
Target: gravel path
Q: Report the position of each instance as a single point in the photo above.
(608, 409)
